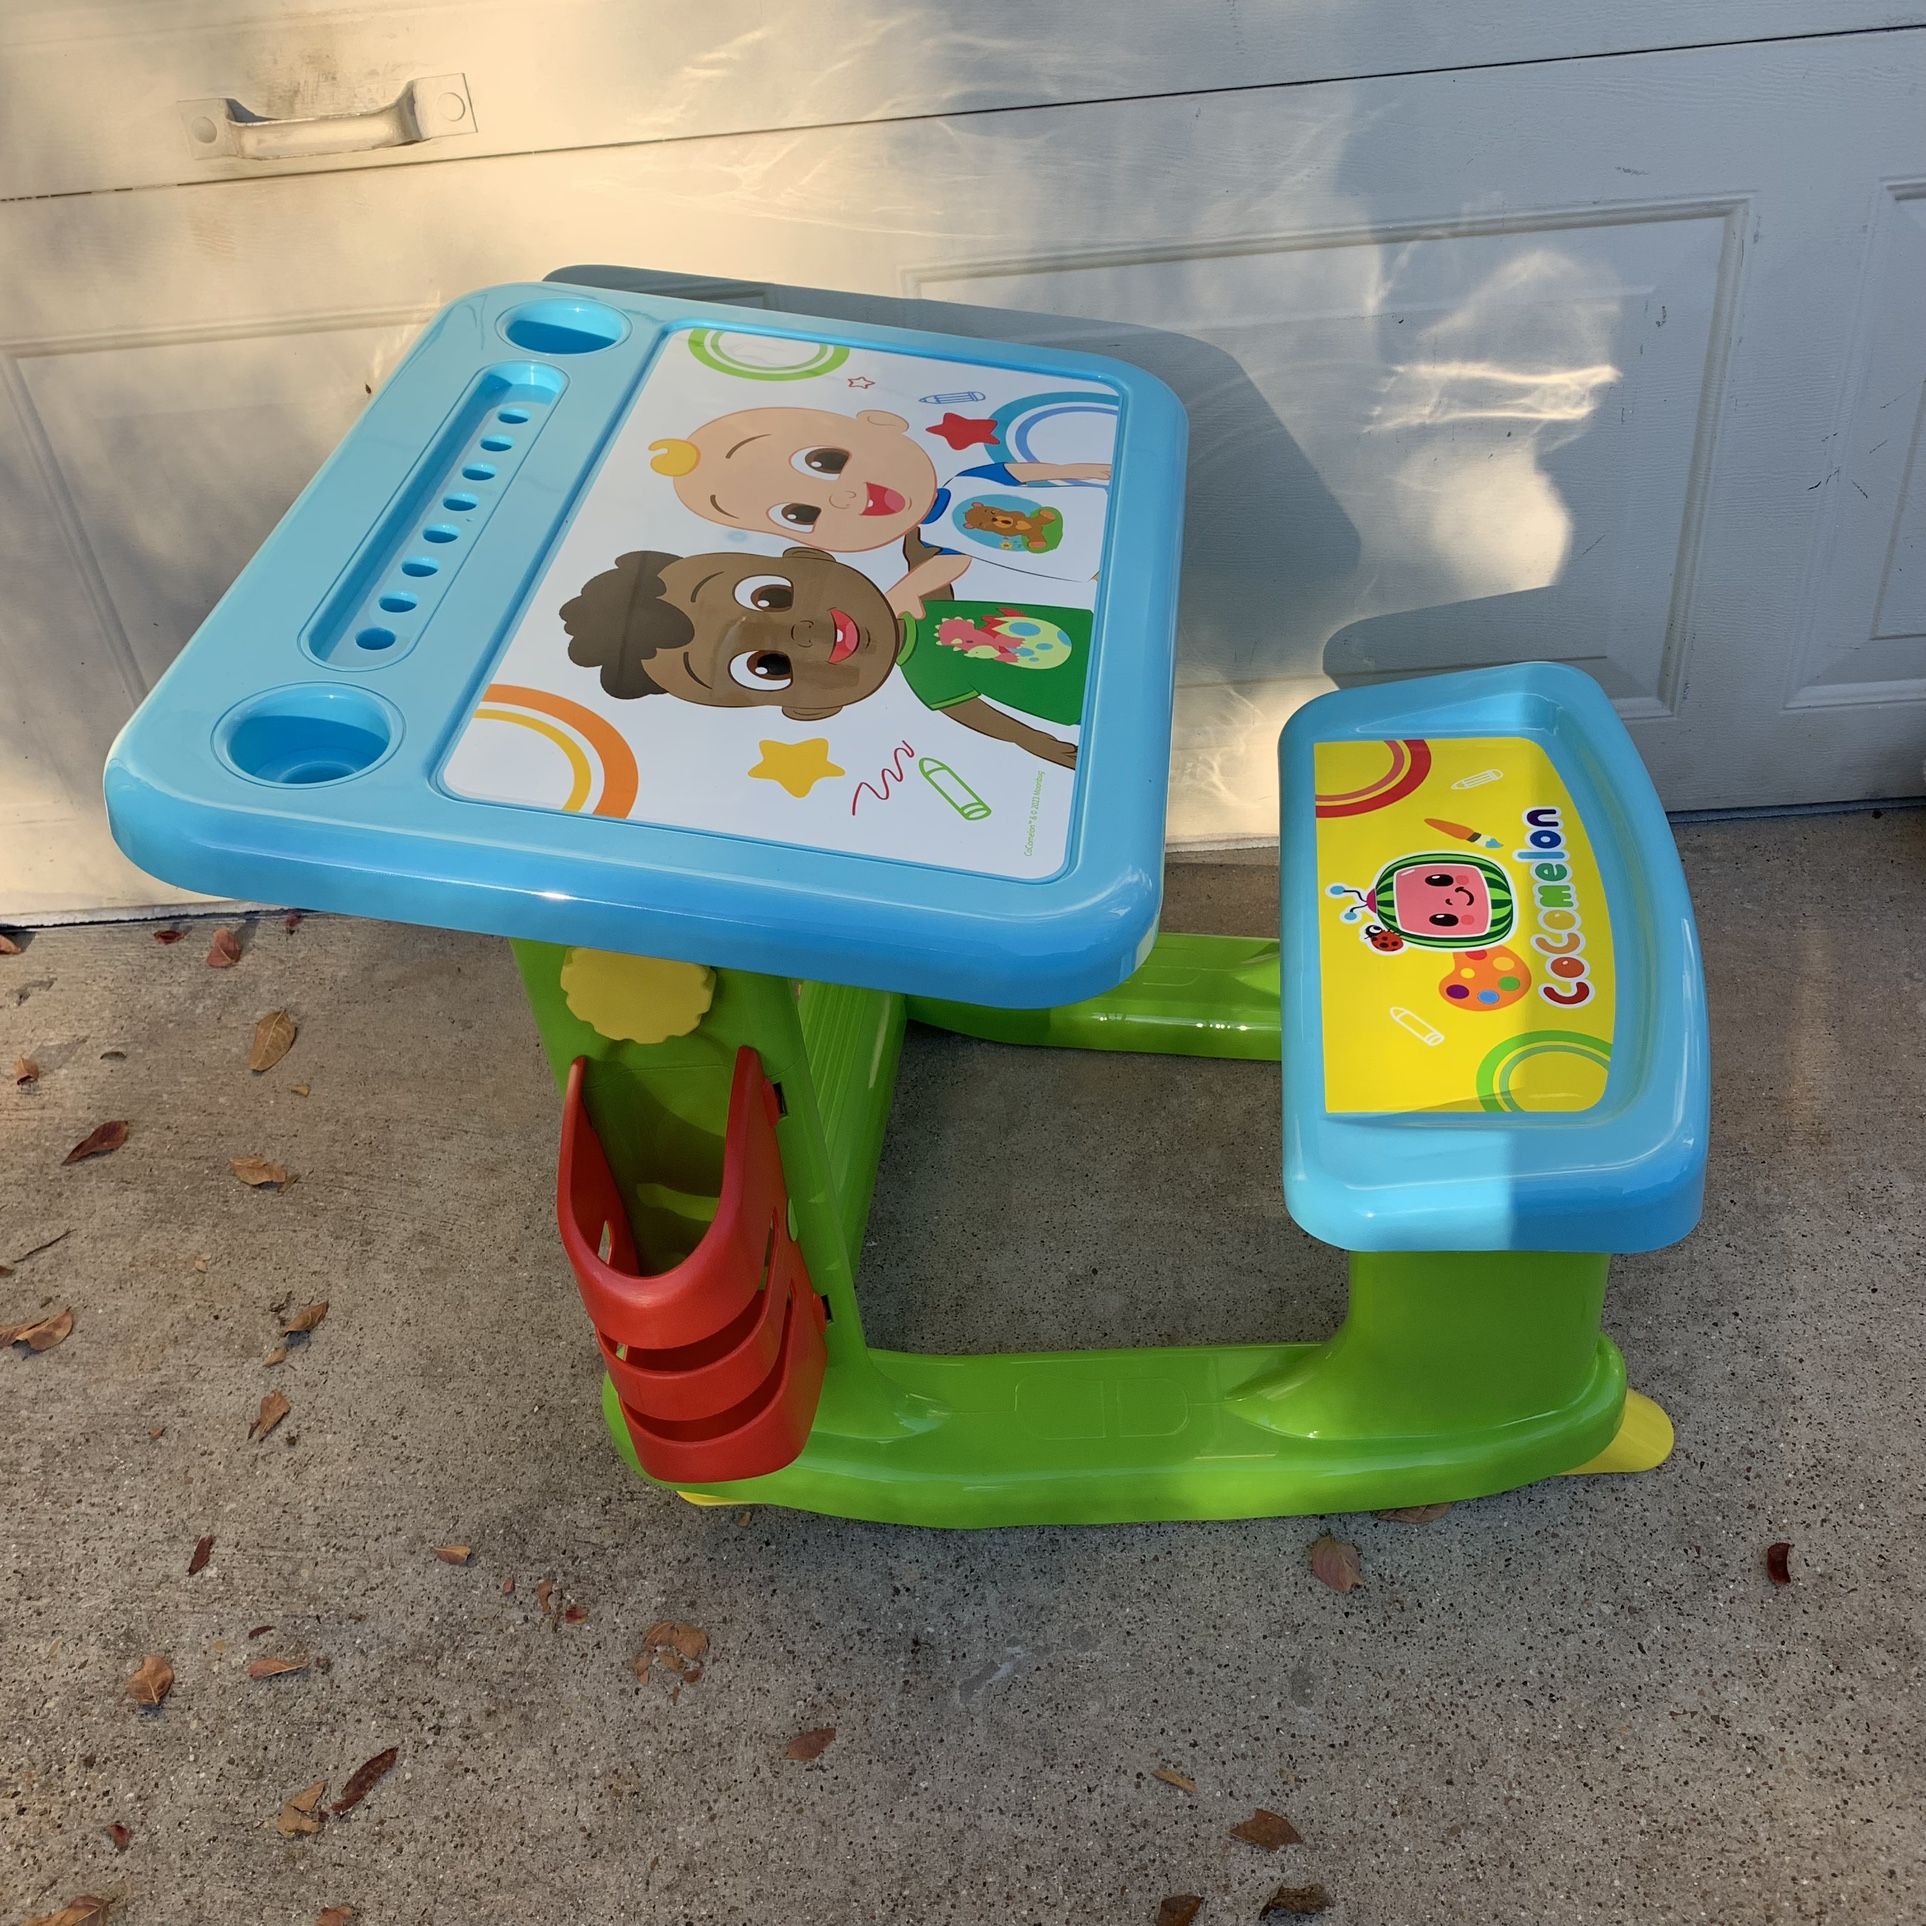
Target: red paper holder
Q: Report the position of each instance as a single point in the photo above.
(718, 1361)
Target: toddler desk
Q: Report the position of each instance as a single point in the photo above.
(771, 683)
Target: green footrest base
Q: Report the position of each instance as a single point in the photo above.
(1115, 1437)
(1194, 996)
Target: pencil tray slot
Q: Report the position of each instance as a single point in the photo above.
(389, 592)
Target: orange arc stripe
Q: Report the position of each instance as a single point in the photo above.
(581, 776)
(621, 780)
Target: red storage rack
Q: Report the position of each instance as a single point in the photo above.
(718, 1361)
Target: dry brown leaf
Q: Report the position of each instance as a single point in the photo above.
(508, 1585)
(1296, 1902)
(301, 1816)
(279, 1355)
(122, 1836)
(274, 1407)
(305, 1319)
(687, 1642)
(168, 936)
(258, 1173)
(300, 1089)
(8, 947)
(203, 1551)
(259, 1630)
(41, 1334)
(274, 1668)
(152, 1683)
(1180, 1909)
(25, 1070)
(575, 1614)
(454, 1554)
(678, 1648)
(88, 1909)
(543, 1593)
(1174, 1778)
(1337, 1564)
(98, 1141)
(1267, 1829)
(225, 950)
(811, 1744)
(1778, 1562)
(334, 1915)
(365, 1777)
(273, 1038)
(157, 1431)
(200, 1264)
(1414, 1514)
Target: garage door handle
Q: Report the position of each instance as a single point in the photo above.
(222, 129)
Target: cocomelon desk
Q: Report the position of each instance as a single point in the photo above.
(771, 683)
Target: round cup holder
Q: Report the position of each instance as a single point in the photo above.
(307, 733)
(560, 326)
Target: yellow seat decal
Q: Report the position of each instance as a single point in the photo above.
(1465, 944)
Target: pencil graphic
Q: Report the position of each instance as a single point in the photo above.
(1461, 832)
(953, 789)
(1419, 1028)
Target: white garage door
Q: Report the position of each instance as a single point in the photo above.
(1611, 359)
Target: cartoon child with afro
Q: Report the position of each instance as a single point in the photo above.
(809, 635)
(847, 483)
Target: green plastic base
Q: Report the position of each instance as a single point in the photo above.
(1127, 1437)
(1454, 1375)
(1194, 996)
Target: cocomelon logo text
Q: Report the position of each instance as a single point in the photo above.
(1561, 929)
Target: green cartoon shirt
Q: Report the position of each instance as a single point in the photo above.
(1030, 659)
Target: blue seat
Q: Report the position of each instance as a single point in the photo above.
(1494, 1028)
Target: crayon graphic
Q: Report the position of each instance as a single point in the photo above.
(1483, 776)
(1460, 832)
(1419, 1028)
(938, 401)
(953, 789)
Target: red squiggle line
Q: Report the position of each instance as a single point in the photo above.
(891, 773)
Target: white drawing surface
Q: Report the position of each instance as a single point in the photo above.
(818, 594)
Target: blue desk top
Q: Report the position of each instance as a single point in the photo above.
(706, 633)
(1494, 1014)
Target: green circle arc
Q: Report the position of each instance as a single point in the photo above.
(1495, 1072)
(705, 345)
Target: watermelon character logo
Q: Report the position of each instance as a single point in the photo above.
(1433, 901)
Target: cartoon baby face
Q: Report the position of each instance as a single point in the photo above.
(1442, 899)
(840, 482)
(800, 632)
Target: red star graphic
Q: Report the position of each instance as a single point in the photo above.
(965, 431)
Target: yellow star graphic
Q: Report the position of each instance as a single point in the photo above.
(798, 766)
